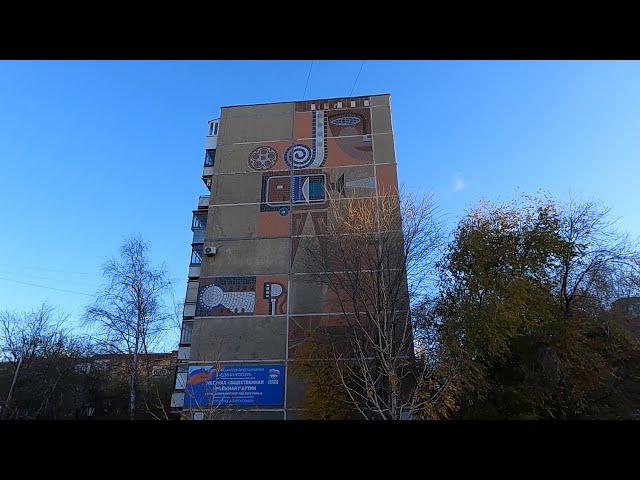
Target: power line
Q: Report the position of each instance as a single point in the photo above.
(357, 77)
(307, 84)
(21, 267)
(44, 286)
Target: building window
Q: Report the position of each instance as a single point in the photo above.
(185, 336)
(215, 128)
(210, 128)
(199, 220)
(366, 103)
(313, 106)
(339, 105)
(353, 103)
(196, 257)
(210, 158)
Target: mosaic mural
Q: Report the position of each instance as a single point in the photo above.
(300, 155)
(331, 158)
(227, 296)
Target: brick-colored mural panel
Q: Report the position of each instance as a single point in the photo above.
(387, 178)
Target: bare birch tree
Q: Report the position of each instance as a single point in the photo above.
(129, 315)
(375, 260)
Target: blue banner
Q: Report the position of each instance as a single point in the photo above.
(234, 385)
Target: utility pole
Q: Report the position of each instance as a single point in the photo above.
(13, 384)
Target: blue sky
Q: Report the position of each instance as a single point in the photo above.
(93, 151)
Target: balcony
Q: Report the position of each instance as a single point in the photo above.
(212, 136)
(177, 400)
(203, 201)
(194, 271)
(198, 235)
(207, 171)
(189, 310)
(198, 226)
(184, 353)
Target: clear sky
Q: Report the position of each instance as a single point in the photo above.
(93, 151)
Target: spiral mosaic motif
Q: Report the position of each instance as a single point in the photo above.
(298, 156)
(262, 158)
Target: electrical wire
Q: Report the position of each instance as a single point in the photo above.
(45, 286)
(307, 84)
(357, 77)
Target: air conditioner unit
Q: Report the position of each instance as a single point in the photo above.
(210, 251)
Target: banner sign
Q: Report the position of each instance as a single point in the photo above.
(234, 385)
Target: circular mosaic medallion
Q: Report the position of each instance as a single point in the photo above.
(283, 211)
(263, 158)
(212, 296)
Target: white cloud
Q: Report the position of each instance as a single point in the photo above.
(459, 183)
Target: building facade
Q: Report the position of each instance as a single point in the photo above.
(272, 171)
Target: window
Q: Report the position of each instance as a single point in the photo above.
(339, 105)
(215, 129)
(199, 220)
(209, 158)
(185, 337)
(366, 103)
(210, 128)
(196, 257)
(353, 103)
(313, 106)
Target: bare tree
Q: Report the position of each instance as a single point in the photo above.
(592, 252)
(44, 356)
(375, 259)
(129, 315)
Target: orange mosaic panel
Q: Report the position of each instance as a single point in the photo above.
(271, 295)
(387, 179)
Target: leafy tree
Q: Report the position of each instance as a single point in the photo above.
(523, 311)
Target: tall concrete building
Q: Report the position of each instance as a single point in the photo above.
(272, 171)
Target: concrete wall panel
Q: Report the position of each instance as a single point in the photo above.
(256, 123)
(232, 189)
(239, 338)
(381, 119)
(248, 257)
(383, 148)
